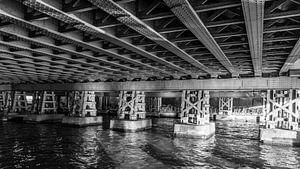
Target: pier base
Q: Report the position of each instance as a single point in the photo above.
(279, 136)
(130, 125)
(16, 117)
(3, 118)
(45, 118)
(82, 121)
(168, 115)
(194, 131)
(251, 118)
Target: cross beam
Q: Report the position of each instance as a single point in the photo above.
(249, 84)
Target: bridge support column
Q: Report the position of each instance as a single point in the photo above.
(131, 113)
(83, 110)
(281, 118)
(43, 108)
(194, 117)
(225, 105)
(19, 106)
(153, 105)
(5, 104)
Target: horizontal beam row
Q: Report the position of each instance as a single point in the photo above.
(256, 83)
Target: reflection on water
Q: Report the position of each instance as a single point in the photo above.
(280, 156)
(235, 145)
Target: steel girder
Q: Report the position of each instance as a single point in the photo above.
(84, 26)
(254, 13)
(185, 12)
(136, 24)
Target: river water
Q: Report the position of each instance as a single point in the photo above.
(235, 145)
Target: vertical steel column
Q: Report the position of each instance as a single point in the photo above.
(195, 107)
(132, 105)
(83, 104)
(43, 103)
(225, 105)
(19, 104)
(5, 102)
(282, 109)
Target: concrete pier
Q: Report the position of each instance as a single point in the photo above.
(281, 126)
(44, 118)
(15, 117)
(194, 117)
(194, 131)
(131, 114)
(168, 114)
(82, 121)
(3, 118)
(130, 125)
(279, 136)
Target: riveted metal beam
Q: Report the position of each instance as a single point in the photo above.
(292, 58)
(84, 26)
(185, 12)
(136, 24)
(251, 84)
(254, 14)
(77, 42)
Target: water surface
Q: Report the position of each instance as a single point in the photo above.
(235, 145)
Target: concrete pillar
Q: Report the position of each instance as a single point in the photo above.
(19, 103)
(105, 103)
(194, 116)
(195, 107)
(2, 100)
(43, 103)
(225, 105)
(44, 108)
(83, 110)
(132, 105)
(131, 113)
(99, 102)
(83, 104)
(5, 100)
(153, 105)
(281, 117)
(5, 104)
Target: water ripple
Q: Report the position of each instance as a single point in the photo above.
(235, 145)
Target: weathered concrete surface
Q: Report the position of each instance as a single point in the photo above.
(82, 121)
(15, 117)
(279, 136)
(130, 125)
(194, 131)
(236, 118)
(44, 118)
(3, 118)
(169, 114)
(244, 118)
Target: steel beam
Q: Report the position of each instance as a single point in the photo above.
(292, 58)
(212, 94)
(254, 14)
(279, 15)
(84, 26)
(77, 42)
(5, 87)
(136, 24)
(185, 12)
(256, 83)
